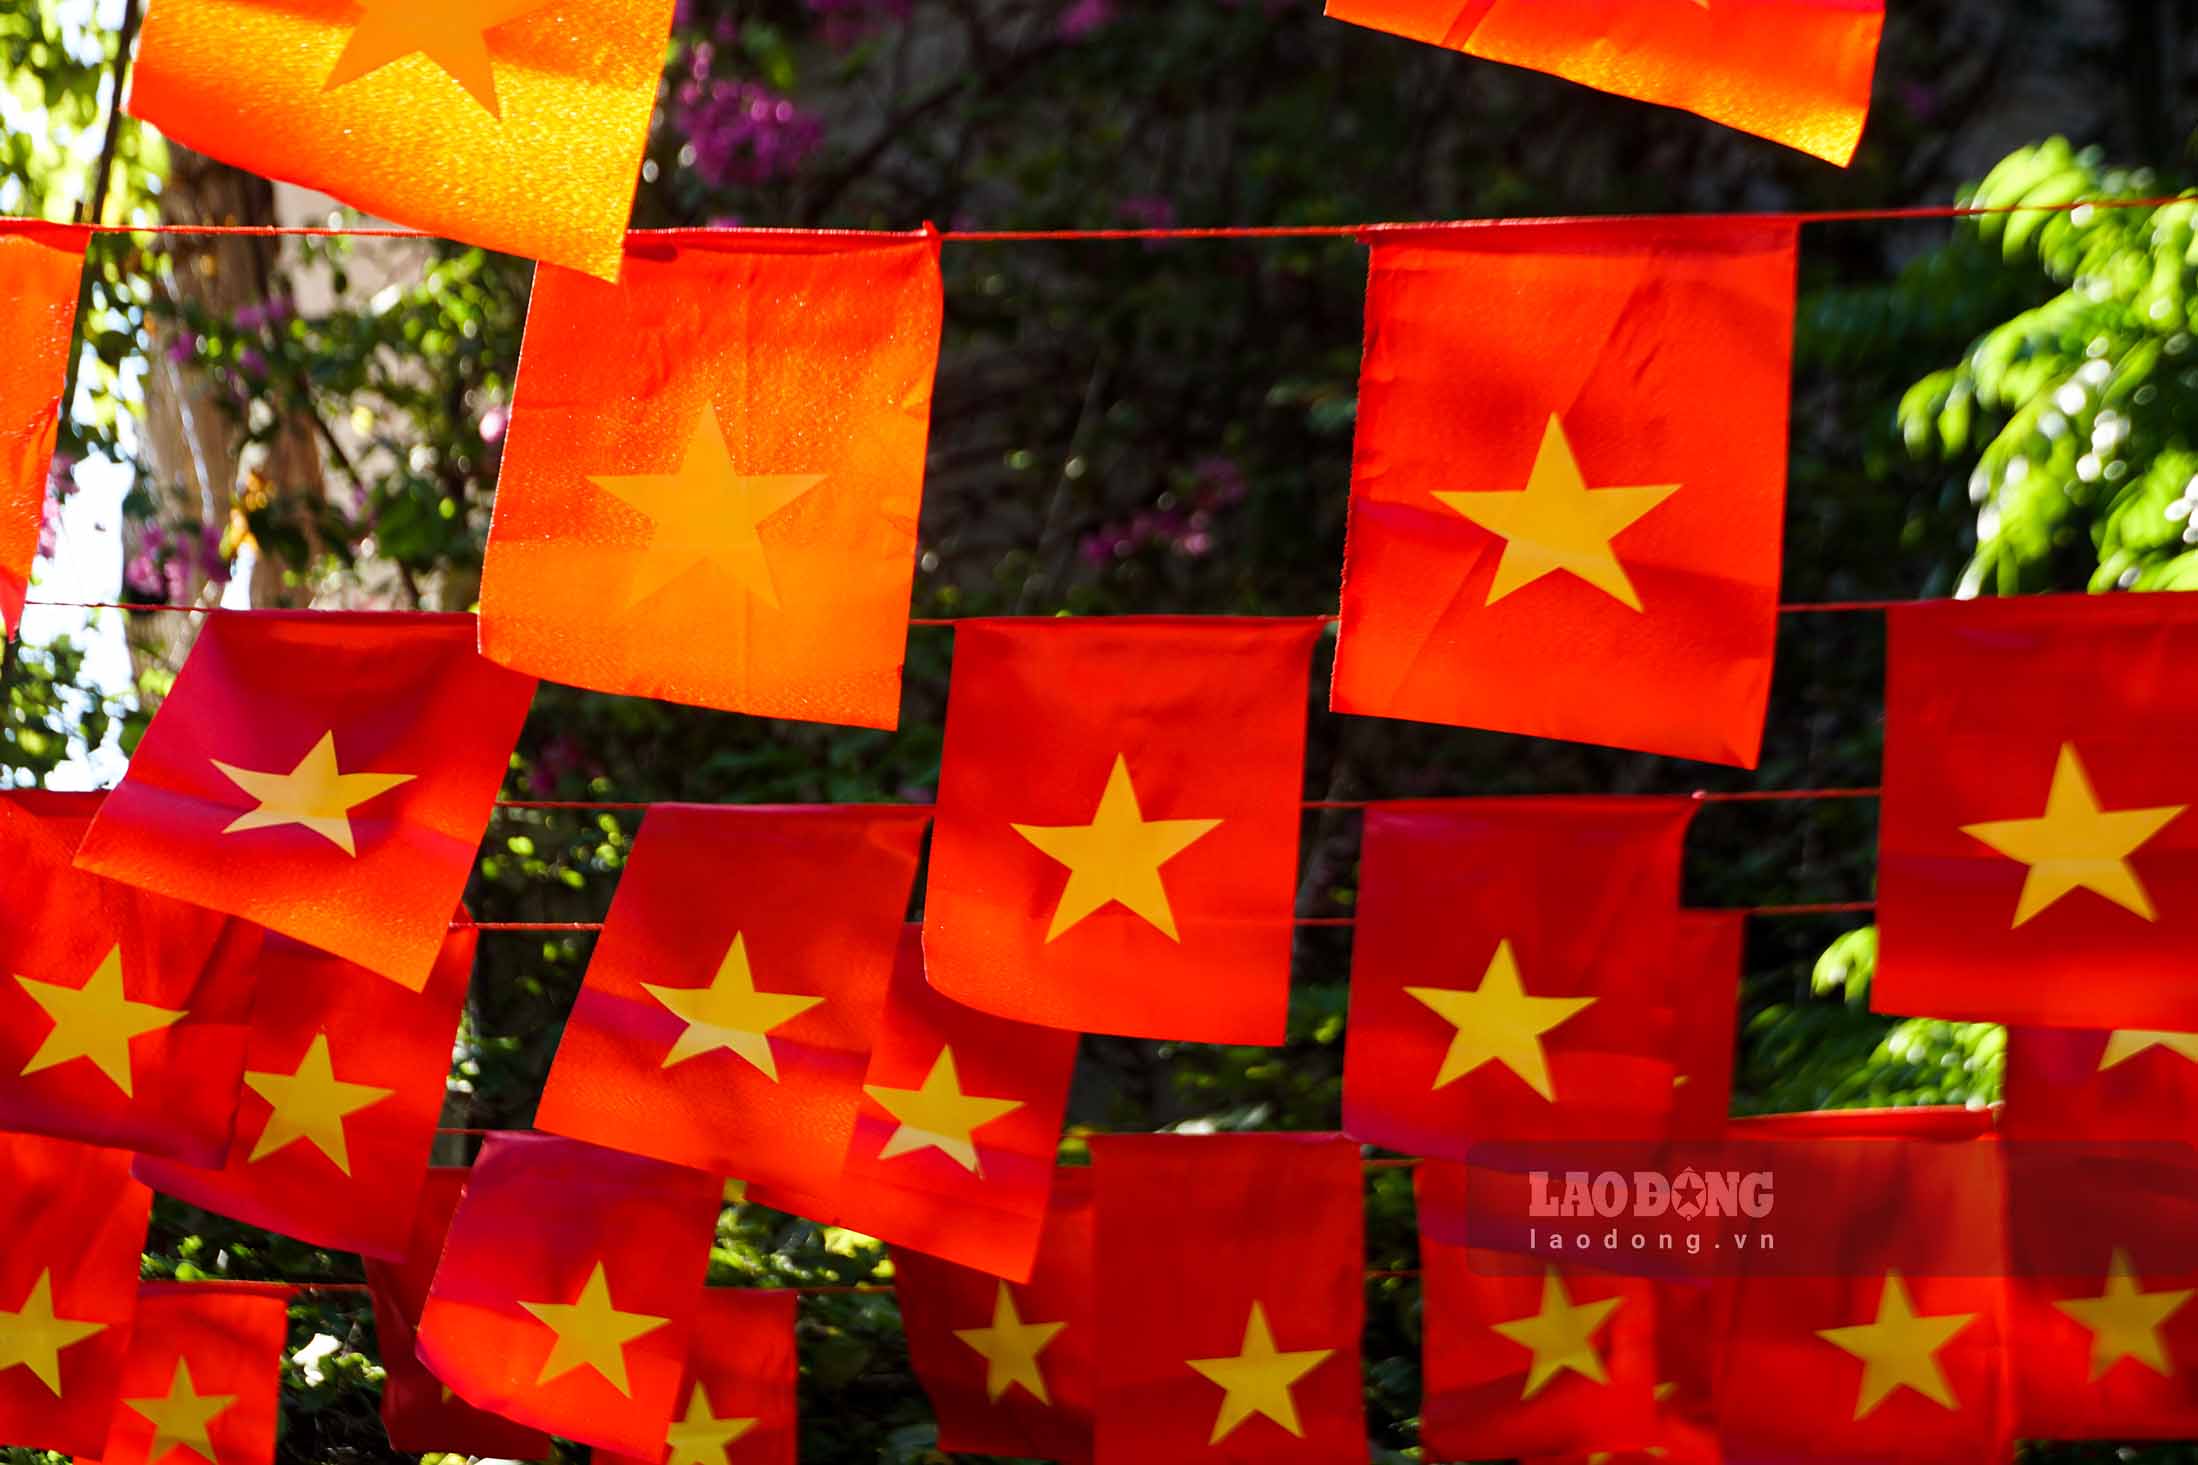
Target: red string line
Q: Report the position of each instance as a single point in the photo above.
(1241, 231)
(1811, 908)
(1792, 608)
(1700, 796)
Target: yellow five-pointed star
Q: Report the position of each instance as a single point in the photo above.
(2075, 843)
(450, 33)
(317, 794)
(2125, 1320)
(1558, 523)
(180, 1419)
(1258, 1379)
(94, 1021)
(1011, 1348)
(701, 1437)
(1897, 1350)
(1498, 1022)
(34, 1337)
(730, 1013)
(1117, 856)
(706, 512)
(591, 1333)
(2124, 1044)
(938, 1115)
(1560, 1336)
(311, 1104)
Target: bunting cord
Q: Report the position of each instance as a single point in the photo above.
(1907, 214)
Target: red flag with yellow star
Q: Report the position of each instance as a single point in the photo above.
(736, 991)
(1253, 1361)
(1705, 994)
(1795, 71)
(1875, 1328)
(326, 774)
(1008, 1365)
(2075, 1084)
(736, 1404)
(122, 1013)
(419, 1412)
(953, 1150)
(203, 1380)
(75, 1223)
(2103, 1241)
(719, 506)
(517, 125)
(343, 1080)
(2037, 849)
(568, 1287)
(1556, 528)
(1511, 975)
(1523, 1359)
(40, 265)
(1118, 822)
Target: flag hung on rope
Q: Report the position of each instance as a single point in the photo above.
(1795, 71)
(1706, 964)
(1684, 1429)
(326, 774)
(202, 1384)
(517, 125)
(1484, 1009)
(2037, 848)
(1254, 1361)
(40, 265)
(719, 506)
(75, 1224)
(1568, 485)
(1551, 1358)
(736, 990)
(1875, 1329)
(953, 1149)
(1118, 823)
(344, 1077)
(2103, 1301)
(122, 1013)
(419, 1412)
(736, 1402)
(568, 1288)
(1009, 1365)
(2079, 1084)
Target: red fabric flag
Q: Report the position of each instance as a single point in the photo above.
(736, 1403)
(203, 1379)
(1118, 823)
(1923, 1122)
(2104, 1301)
(325, 774)
(1008, 1365)
(1483, 1008)
(1876, 1329)
(568, 1287)
(1705, 995)
(1520, 1359)
(122, 1013)
(344, 1079)
(40, 265)
(736, 991)
(75, 1223)
(1569, 537)
(954, 1146)
(1684, 1429)
(1795, 71)
(1254, 1361)
(517, 125)
(2067, 1083)
(721, 508)
(419, 1411)
(2037, 853)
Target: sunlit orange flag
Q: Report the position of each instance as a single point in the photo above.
(514, 124)
(1795, 71)
(717, 505)
(39, 267)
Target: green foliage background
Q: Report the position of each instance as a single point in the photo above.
(1139, 427)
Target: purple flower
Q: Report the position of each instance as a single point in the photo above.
(849, 21)
(741, 134)
(184, 347)
(1145, 211)
(1083, 17)
(253, 361)
(211, 562)
(493, 423)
